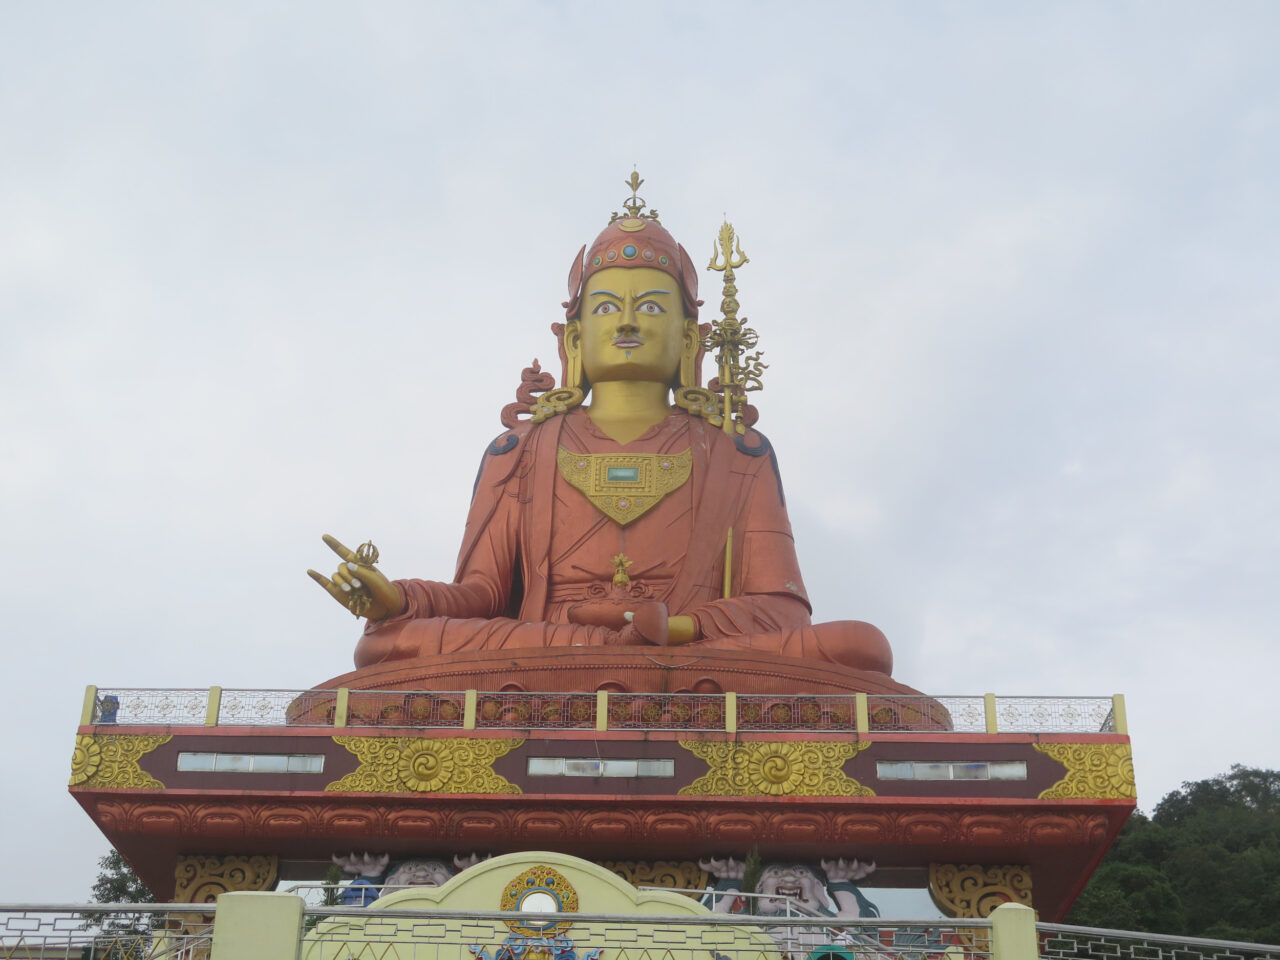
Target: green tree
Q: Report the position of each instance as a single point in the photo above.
(117, 883)
(1206, 863)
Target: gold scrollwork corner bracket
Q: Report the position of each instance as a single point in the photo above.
(794, 768)
(1095, 771)
(675, 874)
(111, 761)
(200, 879)
(972, 891)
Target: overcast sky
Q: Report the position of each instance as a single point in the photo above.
(270, 270)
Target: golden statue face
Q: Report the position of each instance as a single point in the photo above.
(632, 324)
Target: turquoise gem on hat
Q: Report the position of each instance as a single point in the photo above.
(629, 251)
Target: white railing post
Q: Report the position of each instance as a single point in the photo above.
(89, 706)
(1119, 716)
(215, 705)
(1013, 932)
(257, 926)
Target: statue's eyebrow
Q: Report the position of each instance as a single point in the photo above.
(606, 293)
(647, 292)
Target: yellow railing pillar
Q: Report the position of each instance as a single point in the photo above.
(469, 710)
(90, 703)
(730, 713)
(257, 926)
(861, 715)
(1013, 932)
(1118, 714)
(602, 709)
(341, 707)
(989, 706)
(215, 704)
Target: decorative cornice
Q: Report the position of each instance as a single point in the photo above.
(1095, 771)
(700, 828)
(973, 891)
(111, 761)
(420, 765)
(794, 768)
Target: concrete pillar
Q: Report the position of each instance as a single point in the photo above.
(257, 926)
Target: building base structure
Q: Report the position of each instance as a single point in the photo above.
(244, 790)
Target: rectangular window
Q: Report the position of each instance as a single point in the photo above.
(596, 767)
(233, 763)
(196, 762)
(250, 763)
(968, 770)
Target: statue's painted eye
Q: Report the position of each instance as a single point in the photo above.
(649, 306)
(606, 306)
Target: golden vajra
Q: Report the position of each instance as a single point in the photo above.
(359, 603)
(620, 564)
(738, 371)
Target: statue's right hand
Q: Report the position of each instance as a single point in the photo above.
(359, 586)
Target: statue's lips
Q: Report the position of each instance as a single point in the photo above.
(628, 343)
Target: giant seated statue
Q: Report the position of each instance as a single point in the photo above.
(618, 533)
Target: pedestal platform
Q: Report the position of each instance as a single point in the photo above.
(619, 670)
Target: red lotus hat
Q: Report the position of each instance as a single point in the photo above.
(634, 239)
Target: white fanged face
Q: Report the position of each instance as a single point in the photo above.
(420, 873)
(794, 881)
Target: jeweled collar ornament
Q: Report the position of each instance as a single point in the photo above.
(625, 486)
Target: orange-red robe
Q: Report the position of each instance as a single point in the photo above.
(534, 546)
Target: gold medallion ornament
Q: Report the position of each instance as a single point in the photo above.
(624, 486)
(111, 760)
(539, 890)
(788, 769)
(1095, 771)
(970, 891)
(421, 765)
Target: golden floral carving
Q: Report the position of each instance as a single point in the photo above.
(1095, 771)
(972, 891)
(780, 769)
(676, 874)
(202, 879)
(111, 760)
(421, 765)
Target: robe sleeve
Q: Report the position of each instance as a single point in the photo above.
(487, 561)
(768, 592)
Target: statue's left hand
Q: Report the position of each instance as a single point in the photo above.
(846, 869)
(359, 586)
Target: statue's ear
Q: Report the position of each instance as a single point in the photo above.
(571, 354)
(691, 354)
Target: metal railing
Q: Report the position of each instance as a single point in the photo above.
(139, 931)
(444, 935)
(857, 713)
(1061, 942)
